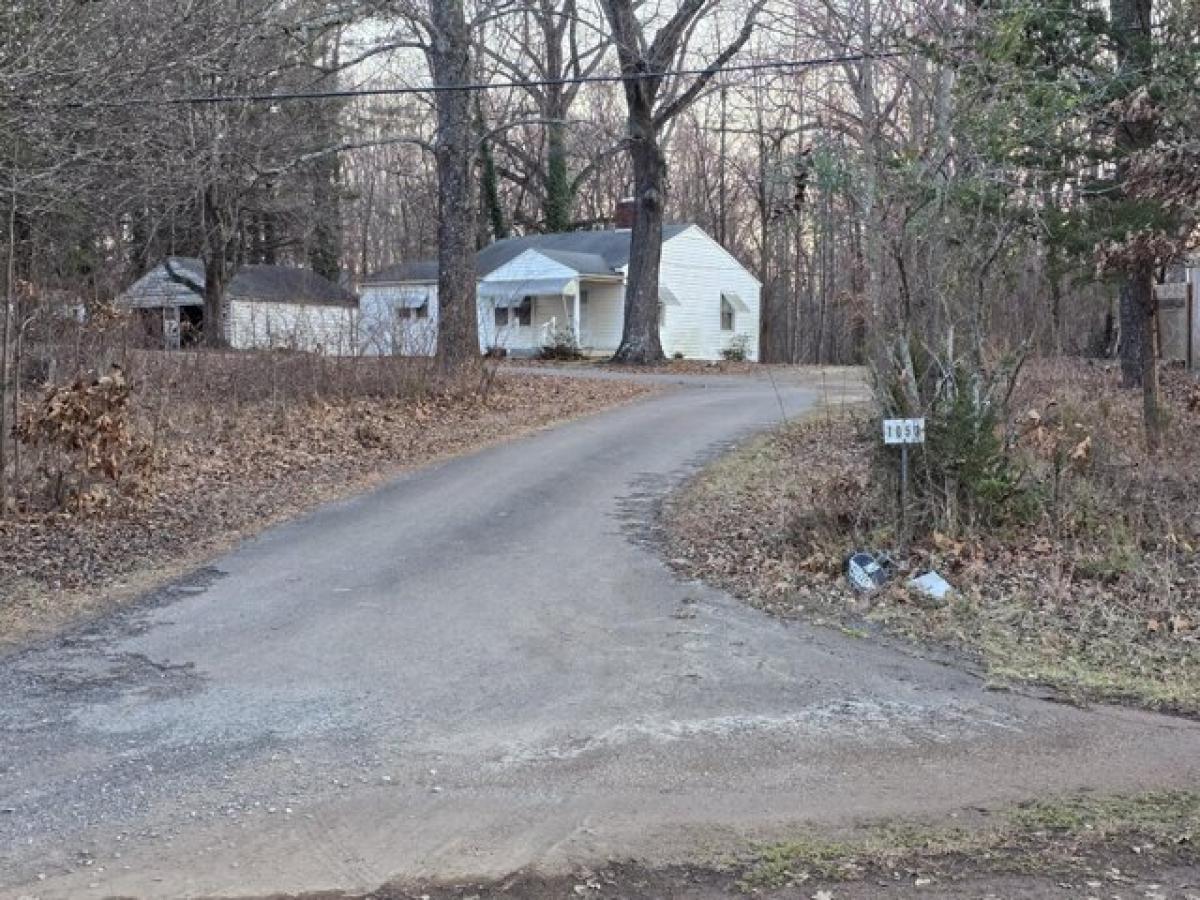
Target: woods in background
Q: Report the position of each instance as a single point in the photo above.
(909, 181)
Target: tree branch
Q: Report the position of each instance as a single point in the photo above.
(684, 100)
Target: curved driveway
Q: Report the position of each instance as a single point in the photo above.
(483, 666)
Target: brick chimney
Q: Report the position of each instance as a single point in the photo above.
(626, 210)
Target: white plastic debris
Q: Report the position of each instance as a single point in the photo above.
(931, 584)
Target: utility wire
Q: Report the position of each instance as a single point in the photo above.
(350, 93)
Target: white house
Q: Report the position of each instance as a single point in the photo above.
(266, 307)
(537, 289)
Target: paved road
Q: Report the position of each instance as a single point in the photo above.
(484, 665)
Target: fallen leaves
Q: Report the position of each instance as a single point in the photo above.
(1082, 450)
(1099, 595)
(223, 470)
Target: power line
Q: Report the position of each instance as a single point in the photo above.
(351, 93)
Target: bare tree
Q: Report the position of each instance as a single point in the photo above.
(449, 54)
(441, 30)
(554, 46)
(651, 107)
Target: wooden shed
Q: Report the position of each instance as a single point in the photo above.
(266, 307)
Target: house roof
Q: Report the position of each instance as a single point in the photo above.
(588, 252)
(271, 284)
(423, 270)
(583, 263)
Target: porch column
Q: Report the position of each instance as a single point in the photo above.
(578, 324)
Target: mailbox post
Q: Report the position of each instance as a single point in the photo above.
(904, 433)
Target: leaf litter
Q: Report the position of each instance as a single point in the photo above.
(211, 473)
(1097, 596)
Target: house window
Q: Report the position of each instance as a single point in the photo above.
(405, 313)
(501, 316)
(525, 311)
(726, 314)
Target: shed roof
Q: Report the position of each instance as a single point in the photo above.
(270, 284)
(422, 270)
(588, 252)
(288, 285)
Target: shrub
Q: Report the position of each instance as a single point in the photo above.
(965, 474)
(84, 429)
(738, 349)
(561, 344)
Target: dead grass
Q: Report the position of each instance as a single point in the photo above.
(223, 470)
(1096, 596)
(1071, 836)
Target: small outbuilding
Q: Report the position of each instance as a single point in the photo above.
(552, 288)
(1179, 314)
(398, 311)
(266, 307)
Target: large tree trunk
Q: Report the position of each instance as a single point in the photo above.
(559, 204)
(1142, 291)
(216, 277)
(450, 63)
(325, 249)
(217, 243)
(490, 225)
(6, 327)
(1129, 346)
(1139, 308)
(640, 341)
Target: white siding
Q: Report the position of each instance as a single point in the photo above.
(531, 266)
(509, 337)
(604, 317)
(547, 314)
(381, 333)
(549, 310)
(698, 270)
(1194, 278)
(694, 267)
(551, 313)
(309, 327)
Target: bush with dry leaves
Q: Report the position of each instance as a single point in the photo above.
(86, 437)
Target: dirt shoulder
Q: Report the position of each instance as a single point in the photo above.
(225, 471)
(1081, 847)
(836, 377)
(1094, 595)
(671, 366)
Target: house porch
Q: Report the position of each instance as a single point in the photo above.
(523, 318)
